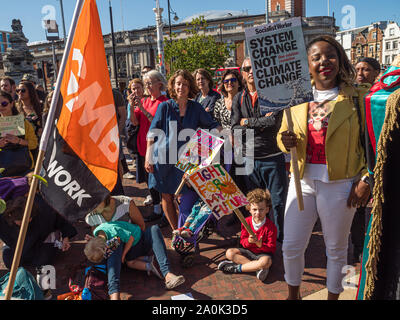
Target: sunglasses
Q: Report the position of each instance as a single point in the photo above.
(232, 80)
(247, 69)
(20, 90)
(5, 104)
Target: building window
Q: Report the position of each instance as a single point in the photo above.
(211, 29)
(135, 57)
(230, 26)
(374, 35)
(395, 44)
(391, 32)
(371, 49)
(359, 49)
(387, 45)
(387, 60)
(278, 7)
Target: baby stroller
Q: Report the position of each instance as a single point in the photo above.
(189, 247)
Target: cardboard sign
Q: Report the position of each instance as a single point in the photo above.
(280, 65)
(14, 125)
(199, 151)
(217, 189)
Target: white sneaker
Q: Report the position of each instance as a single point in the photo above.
(129, 175)
(148, 201)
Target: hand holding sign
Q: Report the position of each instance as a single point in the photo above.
(218, 190)
(198, 153)
(281, 74)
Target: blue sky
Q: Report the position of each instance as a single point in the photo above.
(139, 13)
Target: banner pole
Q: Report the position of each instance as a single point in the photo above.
(244, 222)
(296, 174)
(39, 161)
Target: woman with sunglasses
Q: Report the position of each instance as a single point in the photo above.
(207, 96)
(231, 84)
(29, 105)
(29, 139)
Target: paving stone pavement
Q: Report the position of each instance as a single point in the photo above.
(203, 280)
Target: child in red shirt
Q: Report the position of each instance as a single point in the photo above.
(255, 255)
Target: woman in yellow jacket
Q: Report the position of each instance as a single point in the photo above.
(7, 108)
(331, 161)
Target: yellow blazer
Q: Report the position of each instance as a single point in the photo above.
(344, 153)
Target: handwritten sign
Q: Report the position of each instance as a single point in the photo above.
(199, 152)
(14, 125)
(217, 189)
(280, 65)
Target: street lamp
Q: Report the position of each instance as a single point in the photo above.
(376, 41)
(160, 46)
(169, 18)
(63, 21)
(113, 46)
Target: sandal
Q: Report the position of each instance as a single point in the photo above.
(174, 282)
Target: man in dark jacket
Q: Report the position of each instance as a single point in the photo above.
(266, 160)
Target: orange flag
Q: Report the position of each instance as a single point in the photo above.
(81, 161)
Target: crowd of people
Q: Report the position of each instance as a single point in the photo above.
(327, 135)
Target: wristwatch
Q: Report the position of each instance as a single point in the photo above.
(246, 122)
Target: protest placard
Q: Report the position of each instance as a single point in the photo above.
(14, 125)
(199, 152)
(280, 65)
(218, 190)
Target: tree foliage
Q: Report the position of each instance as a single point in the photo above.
(196, 51)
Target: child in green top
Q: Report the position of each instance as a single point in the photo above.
(128, 233)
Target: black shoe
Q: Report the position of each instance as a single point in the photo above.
(230, 268)
(152, 217)
(164, 222)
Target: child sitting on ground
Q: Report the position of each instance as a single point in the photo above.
(252, 256)
(200, 213)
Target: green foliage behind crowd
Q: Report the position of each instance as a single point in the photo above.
(196, 51)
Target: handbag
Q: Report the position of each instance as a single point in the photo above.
(132, 136)
(15, 160)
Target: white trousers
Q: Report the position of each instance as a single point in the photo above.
(328, 202)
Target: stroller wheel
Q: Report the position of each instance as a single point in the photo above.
(187, 261)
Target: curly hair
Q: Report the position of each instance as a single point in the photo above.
(347, 73)
(95, 249)
(258, 195)
(193, 90)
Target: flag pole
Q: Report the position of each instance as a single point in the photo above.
(42, 149)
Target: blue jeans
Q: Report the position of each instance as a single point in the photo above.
(114, 270)
(151, 238)
(270, 173)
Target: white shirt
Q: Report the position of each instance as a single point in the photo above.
(257, 226)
